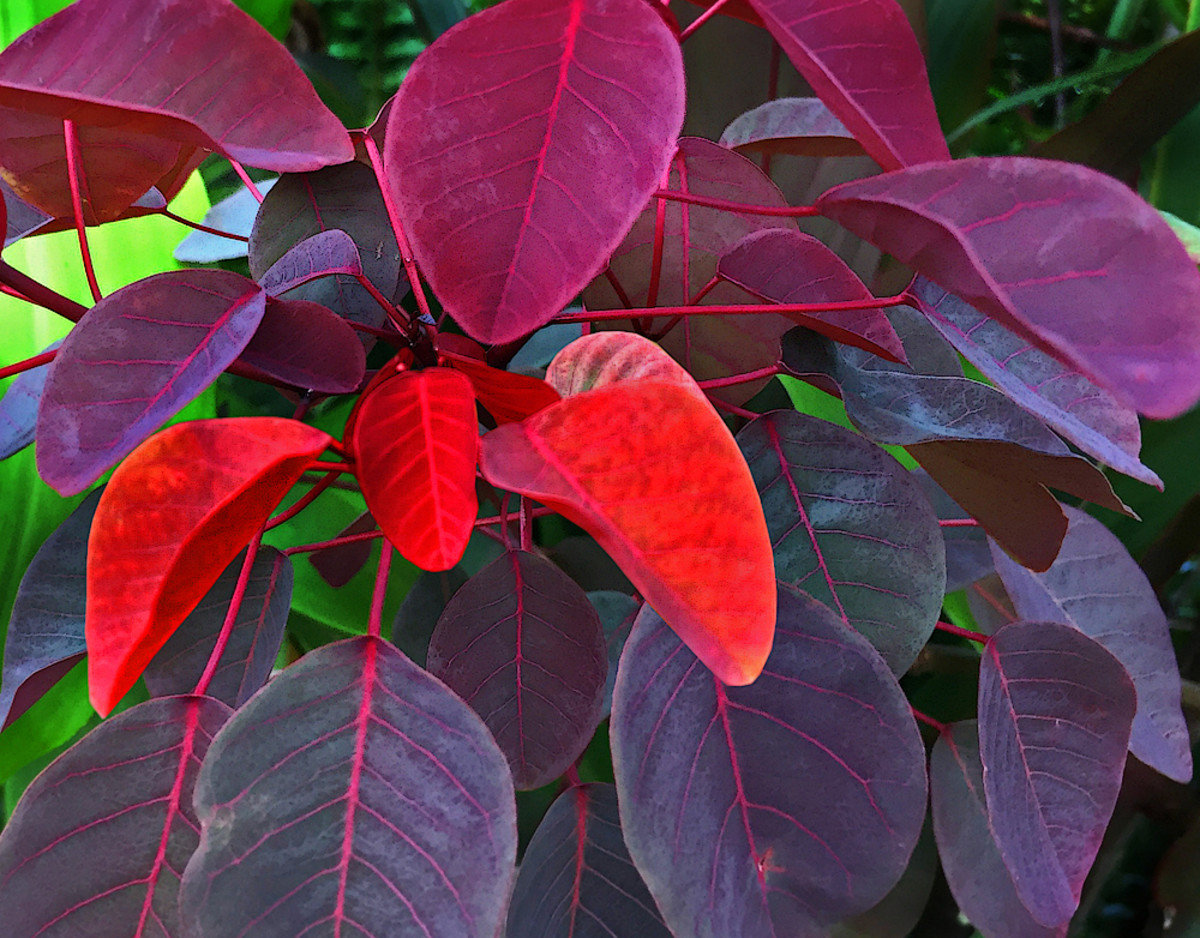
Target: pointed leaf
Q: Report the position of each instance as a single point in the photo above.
(1058, 253)
(1055, 710)
(307, 345)
(98, 841)
(510, 226)
(234, 214)
(415, 442)
(851, 528)
(174, 515)
(653, 474)
(863, 61)
(135, 359)
(602, 893)
(729, 842)
(323, 255)
(392, 801)
(1096, 587)
(254, 642)
(19, 406)
(799, 126)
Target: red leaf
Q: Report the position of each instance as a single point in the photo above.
(1067, 258)
(602, 358)
(415, 440)
(863, 61)
(507, 396)
(176, 512)
(653, 474)
(509, 226)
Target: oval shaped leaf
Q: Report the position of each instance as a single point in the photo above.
(415, 442)
(682, 519)
(308, 346)
(522, 645)
(799, 126)
(136, 358)
(773, 809)
(174, 515)
(388, 793)
(115, 810)
(510, 226)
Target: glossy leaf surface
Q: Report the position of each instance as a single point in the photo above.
(307, 345)
(393, 801)
(98, 843)
(650, 471)
(729, 844)
(1055, 710)
(19, 407)
(523, 646)
(135, 359)
(416, 441)
(1058, 253)
(1096, 587)
(174, 515)
(509, 226)
(800, 126)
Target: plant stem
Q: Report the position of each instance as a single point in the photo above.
(741, 208)
(235, 606)
(701, 20)
(28, 364)
(733, 409)
(303, 502)
(735, 310)
(246, 180)
(167, 213)
(958, 523)
(334, 467)
(928, 720)
(375, 622)
(745, 378)
(526, 524)
(335, 542)
(39, 294)
(76, 179)
(950, 629)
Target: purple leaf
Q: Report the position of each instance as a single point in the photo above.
(617, 612)
(98, 840)
(897, 913)
(863, 61)
(1055, 710)
(19, 406)
(45, 633)
(22, 218)
(323, 255)
(422, 607)
(509, 226)
(771, 809)
(235, 214)
(576, 878)
(338, 565)
(851, 528)
(799, 126)
(1085, 414)
(1097, 588)
(384, 790)
(971, 859)
(523, 646)
(254, 642)
(1058, 253)
(136, 358)
(307, 345)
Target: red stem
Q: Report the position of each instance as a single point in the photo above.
(617, 288)
(76, 178)
(962, 633)
(40, 295)
(246, 180)
(335, 542)
(744, 378)
(929, 721)
(958, 523)
(701, 20)
(741, 208)
(772, 94)
(992, 601)
(303, 502)
(28, 364)
(656, 254)
(199, 227)
(496, 519)
(235, 606)
(878, 302)
(375, 622)
(526, 525)
(330, 466)
(9, 291)
(733, 409)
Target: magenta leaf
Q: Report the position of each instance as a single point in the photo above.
(971, 859)
(1055, 711)
(849, 527)
(576, 877)
(1085, 414)
(45, 633)
(254, 642)
(1058, 253)
(422, 607)
(771, 809)
(307, 345)
(523, 646)
(510, 226)
(800, 126)
(136, 358)
(19, 406)
(97, 843)
(863, 61)
(388, 793)
(234, 214)
(1097, 588)
(325, 254)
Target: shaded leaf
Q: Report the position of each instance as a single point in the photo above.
(308, 346)
(422, 607)
(510, 226)
(18, 216)
(338, 565)
(799, 126)
(173, 516)
(968, 557)
(19, 406)
(235, 214)
(507, 396)
(325, 254)
(617, 612)
(135, 359)
(387, 792)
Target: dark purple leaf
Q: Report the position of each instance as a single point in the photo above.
(523, 646)
(576, 877)
(384, 791)
(971, 859)
(136, 358)
(325, 254)
(968, 557)
(307, 345)
(1085, 414)
(510, 226)
(338, 565)
(253, 644)
(1056, 252)
(45, 633)
(19, 406)
(22, 218)
(771, 809)
(617, 612)
(422, 607)
(98, 841)
(1096, 587)
(799, 126)
(897, 913)
(234, 214)
(1055, 710)
(851, 528)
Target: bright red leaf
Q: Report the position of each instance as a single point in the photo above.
(506, 395)
(175, 513)
(602, 358)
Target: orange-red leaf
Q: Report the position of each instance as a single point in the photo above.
(649, 469)
(176, 512)
(415, 440)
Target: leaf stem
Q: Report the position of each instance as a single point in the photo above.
(929, 721)
(334, 542)
(958, 523)
(526, 524)
(701, 20)
(28, 364)
(334, 467)
(743, 309)
(231, 614)
(77, 181)
(741, 208)
(246, 180)
(40, 295)
(167, 213)
(375, 622)
(950, 629)
(734, 409)
(743, 378)
(303, 502)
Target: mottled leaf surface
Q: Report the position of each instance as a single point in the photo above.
(19, 407)
(798, 126)
(603, 358)
(386, 792)
(308, 346)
